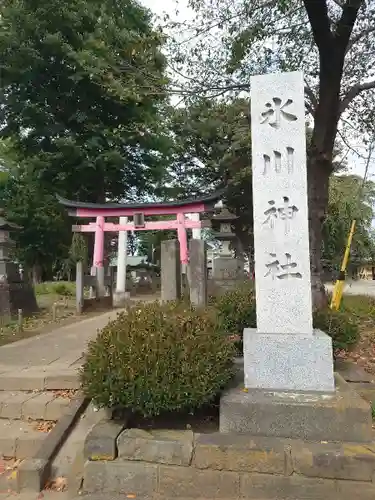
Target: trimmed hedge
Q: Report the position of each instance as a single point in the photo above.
(236, 310)
(156, 358)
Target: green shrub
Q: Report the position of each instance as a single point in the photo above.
(63, 289)
(157, 358)
(340, 325)
(236, 309)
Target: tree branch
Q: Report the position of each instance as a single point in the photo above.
(360, 35)
(320, 24)
(353, 92)
(346, 23)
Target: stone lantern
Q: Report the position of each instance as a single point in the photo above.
(227, 270)
(222, 225)
(15, 293)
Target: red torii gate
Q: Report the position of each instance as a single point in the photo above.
(138, 211)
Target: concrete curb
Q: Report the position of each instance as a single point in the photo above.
(34, 472)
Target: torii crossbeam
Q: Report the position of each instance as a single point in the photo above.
(138, 211)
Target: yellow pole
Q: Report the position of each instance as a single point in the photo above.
(339, 285)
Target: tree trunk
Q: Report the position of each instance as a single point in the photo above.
(36, 274)
(318, 182)
(319, 165)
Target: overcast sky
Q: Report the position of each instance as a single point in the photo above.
(356, 163)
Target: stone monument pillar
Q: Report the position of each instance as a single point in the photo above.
(170, 270)
(281, 241)
(227, 270)
(15, 291)
(288, 367)
(198, 272)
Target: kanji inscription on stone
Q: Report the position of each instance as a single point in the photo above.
(276, 111)
(281, 236)
(272, 164)
(285, 212)
(282, 269)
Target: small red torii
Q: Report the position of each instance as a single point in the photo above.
(101, 211)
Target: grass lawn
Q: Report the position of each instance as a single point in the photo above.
(63, 294)
(363, 308)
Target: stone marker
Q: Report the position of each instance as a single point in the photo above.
(284, 353)
(198, 272)
(290, 389)
(170, 270)
(281, 234)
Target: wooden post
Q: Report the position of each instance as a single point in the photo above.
(79, 288)
(54, 311)
(20, 320)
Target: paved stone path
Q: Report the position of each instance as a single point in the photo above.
(61, 347)
(360, 287)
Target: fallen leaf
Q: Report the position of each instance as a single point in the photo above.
(44, 425)
(59, 484)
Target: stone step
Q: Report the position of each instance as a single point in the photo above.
(366, 391)
(19, 439)
(38, 378)
(32, 405)
(8, 475)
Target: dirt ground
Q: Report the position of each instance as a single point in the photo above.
(43, 321)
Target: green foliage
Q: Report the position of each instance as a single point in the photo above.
(373, 410)
(158, 358)
(236, 309)
(329, 41)
(149, 243)
(46, 229)
(42, 288)
(78, 251)
(347, 202)
(63, 289)
(229, 40)
(84, 78)
(81, 91)
(340, 325)
(212, 149)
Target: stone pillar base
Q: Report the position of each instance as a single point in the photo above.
(288, 362)
(339, 416)
(121, 299)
